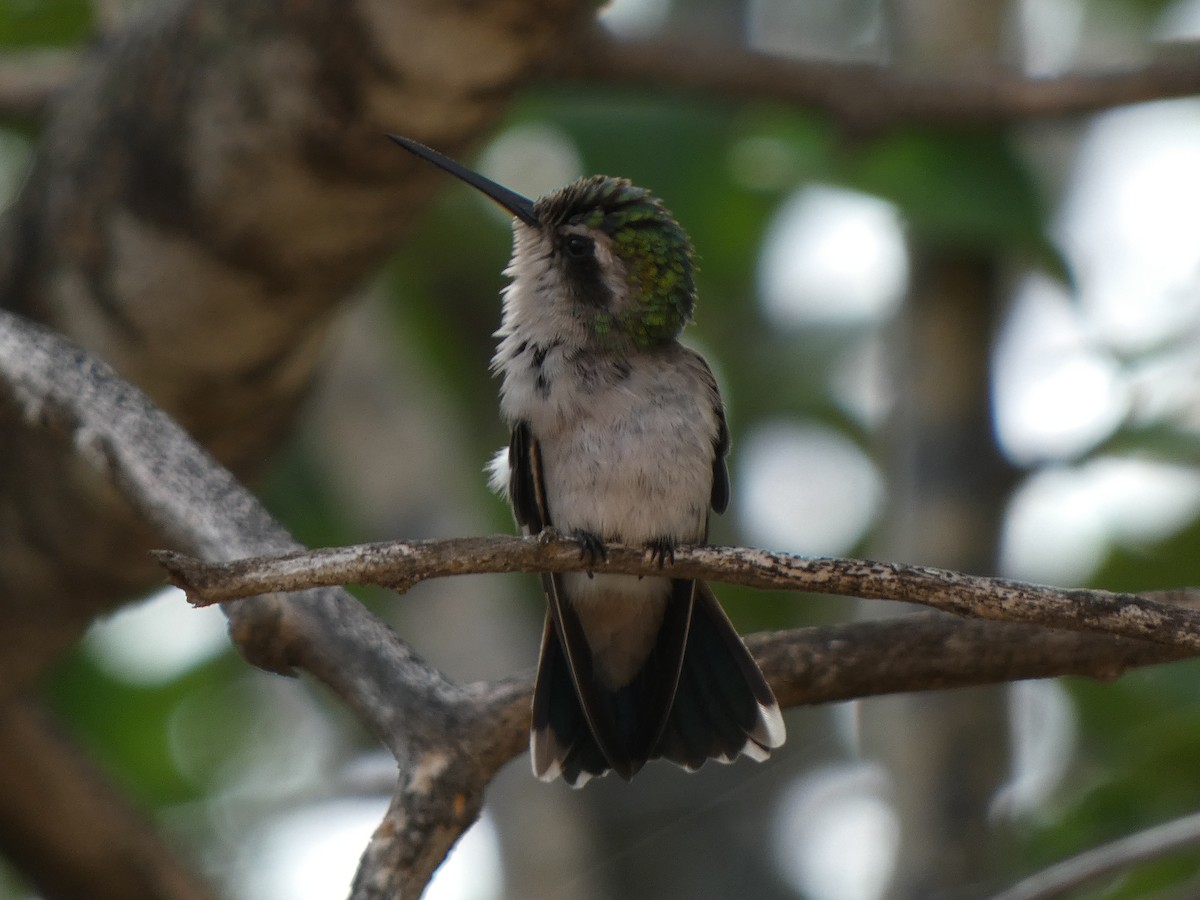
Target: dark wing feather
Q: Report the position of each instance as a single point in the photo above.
(720, 485)
(719, 498)
(561, 741)
(526, 489)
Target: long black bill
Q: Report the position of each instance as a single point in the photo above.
(521, 207)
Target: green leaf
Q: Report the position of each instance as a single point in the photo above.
(1159, 441)
(957, 189)
(1170, 563)
(31, 23)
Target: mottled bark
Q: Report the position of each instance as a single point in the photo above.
(207, 191)
(402, 564)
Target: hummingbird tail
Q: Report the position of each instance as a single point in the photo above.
(584, 725)
(561, 743)
(723, 706)
(719, 706)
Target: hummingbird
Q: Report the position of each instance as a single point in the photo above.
(618, 434)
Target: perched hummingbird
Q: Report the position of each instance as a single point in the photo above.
(618, 435)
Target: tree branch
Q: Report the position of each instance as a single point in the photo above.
(450, 740)
(402, 564)
(927, 651)
(862, 96)
(1142, 846)
(208, 189)
(867, 97)
(113, 428)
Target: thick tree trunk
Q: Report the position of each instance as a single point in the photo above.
(206, 193)
(210, 188)
(948, 752)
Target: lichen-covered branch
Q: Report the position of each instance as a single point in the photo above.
(401, 564)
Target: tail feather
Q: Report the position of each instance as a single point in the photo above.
(561, 743)
(697, 730)
(720, 706)
(582, 727)
(723, 705)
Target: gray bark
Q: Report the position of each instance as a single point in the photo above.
(207, 192)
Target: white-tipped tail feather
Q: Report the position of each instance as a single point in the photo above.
(719, 708)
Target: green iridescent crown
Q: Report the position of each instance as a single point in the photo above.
(655, 249)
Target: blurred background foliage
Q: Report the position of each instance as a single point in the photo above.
(808, 241)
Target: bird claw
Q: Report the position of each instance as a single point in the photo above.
(661, 550)
(591, 548)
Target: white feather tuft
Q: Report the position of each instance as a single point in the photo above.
(498, 472)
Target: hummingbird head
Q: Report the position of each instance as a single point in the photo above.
(600, 262)
(622, 263)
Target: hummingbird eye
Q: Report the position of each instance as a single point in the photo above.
(578, 246)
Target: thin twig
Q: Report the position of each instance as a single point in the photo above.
(1130, 850)
(406, 563)
(865, 96)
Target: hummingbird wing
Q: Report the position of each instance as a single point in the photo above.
(719, 496)
(719, 499)
(526, 487)
(561, 739)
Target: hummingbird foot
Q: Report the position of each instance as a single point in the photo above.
(591, 548)
(549, 535)
(661, 550)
